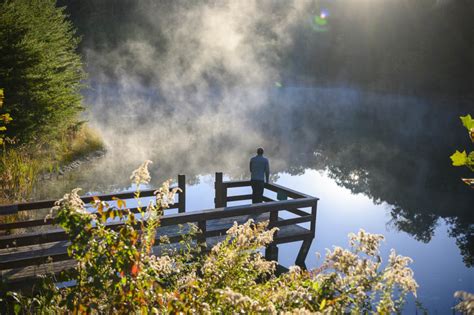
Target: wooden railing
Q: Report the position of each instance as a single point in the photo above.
(31, 207)
(298, 200)
(19, 250)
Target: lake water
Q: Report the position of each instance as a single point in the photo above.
(377, 162)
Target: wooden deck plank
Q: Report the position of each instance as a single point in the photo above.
(58, 250)
(9, 255)
(172, 219)
(42, 248)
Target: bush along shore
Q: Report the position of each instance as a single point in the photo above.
(21, 166)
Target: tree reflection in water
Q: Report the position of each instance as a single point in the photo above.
(393, 149)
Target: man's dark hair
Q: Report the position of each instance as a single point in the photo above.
(260, 151)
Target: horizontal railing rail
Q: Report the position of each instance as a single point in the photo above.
(13, 209)
(36, 247)
(45, 204)
(284, 195)
(55, 235)
(200, 217)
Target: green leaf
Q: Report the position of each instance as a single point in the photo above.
(322, 305)
(470, 161)
(315, 286)
(459, 158)
(467, 121)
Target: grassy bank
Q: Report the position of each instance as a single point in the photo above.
(20, 166)
(78, 144)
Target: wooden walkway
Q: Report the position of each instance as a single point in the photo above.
(31, 248)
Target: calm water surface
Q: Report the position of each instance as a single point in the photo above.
(377, 162)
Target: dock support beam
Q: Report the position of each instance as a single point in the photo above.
(303, 252)
(271, 252)
(304, 249)
(182, 193)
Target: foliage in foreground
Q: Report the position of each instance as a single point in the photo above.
(466, 304)
(117, 272)
(462, 158)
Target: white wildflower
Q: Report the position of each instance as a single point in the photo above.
(366, 242)
(162, 265)
(141, 174)
(466, 306)
(295, 269)
(236, 299)
(165, 196)
(71, 201)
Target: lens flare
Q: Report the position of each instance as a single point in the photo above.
(324, 14)
(319, 21)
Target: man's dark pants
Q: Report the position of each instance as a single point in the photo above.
(257, 190)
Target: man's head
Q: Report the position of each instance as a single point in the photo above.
(260, 151)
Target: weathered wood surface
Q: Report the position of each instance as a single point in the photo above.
(47, 204)
(21, 263)
(52, 235)
(43, 249)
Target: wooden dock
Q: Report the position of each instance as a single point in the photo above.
(33, 247)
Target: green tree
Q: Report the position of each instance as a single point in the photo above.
(40, 69)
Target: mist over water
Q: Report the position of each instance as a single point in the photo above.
(197, 87)
(199, 92)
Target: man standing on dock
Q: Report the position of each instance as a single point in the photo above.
(260, 173)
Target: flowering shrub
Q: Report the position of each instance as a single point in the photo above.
(117, 272)
(466, 305)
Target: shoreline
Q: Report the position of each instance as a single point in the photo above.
(71, 166)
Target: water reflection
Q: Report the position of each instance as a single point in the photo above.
(392, 149)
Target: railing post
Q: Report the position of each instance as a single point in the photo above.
(271, 252)
(224, 196)
(218, 202)
(306, 245)
(182, 193)
(314, 212)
